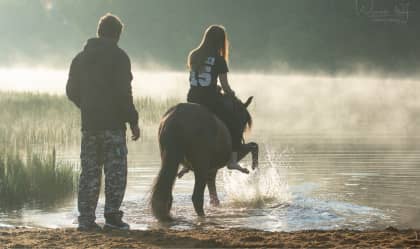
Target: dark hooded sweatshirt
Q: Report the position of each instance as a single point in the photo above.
(100, 85)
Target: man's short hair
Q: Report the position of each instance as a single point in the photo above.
(110, 26)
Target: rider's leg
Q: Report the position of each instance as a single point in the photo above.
(236, 144)
(226, 115)
(214, 102)
(236, 147)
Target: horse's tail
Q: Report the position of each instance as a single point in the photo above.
(171, 156)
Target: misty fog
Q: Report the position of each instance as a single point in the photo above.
(314, 67)
(289, 104)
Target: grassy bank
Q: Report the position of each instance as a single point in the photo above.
(44, 120)
(32, 126)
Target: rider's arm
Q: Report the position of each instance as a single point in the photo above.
(225, 84)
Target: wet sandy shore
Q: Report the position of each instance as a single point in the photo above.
(70, 238)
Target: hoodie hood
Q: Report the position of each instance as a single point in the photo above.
(99, 43)
(99, 49)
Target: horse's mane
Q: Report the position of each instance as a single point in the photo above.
(248, 121)
(248, 125)
(238, 104)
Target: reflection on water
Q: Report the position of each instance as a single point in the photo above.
(302, 183)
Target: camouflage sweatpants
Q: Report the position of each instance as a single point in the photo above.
(108, 149)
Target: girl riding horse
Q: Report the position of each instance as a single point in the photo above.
(204, 135)
(207, 63)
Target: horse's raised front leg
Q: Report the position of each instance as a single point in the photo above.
(247, 148)
(238, 167)
(254, 152)
(198, 194)
(211, 185)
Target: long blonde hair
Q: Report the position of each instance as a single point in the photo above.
(214, 42)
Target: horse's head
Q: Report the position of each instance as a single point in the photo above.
(242, 114)
(247, 116)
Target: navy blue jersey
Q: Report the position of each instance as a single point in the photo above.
(206, 74)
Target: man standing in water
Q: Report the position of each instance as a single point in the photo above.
(100, 85)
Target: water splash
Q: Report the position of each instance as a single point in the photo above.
(264, 186)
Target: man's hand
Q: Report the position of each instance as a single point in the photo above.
(135, 131)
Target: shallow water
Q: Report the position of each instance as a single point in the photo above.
(335, 153)
(302, 183)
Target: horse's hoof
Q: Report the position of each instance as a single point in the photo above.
(254, 166)
(215, 203)
(166, 219)
(245, 171)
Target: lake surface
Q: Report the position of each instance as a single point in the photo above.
(334, 153)
(302, 183)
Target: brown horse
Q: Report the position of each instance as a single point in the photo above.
(191, 135)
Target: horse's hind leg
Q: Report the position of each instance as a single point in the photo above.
(211, 185)
(198, 194)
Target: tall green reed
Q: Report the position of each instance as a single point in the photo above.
(32, 127)
(34, 179)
